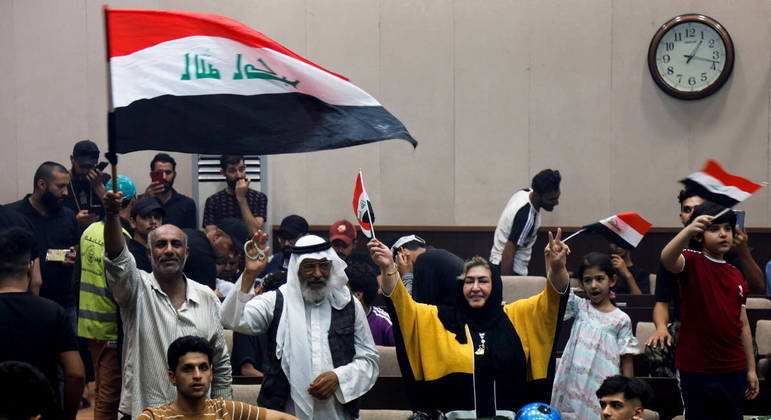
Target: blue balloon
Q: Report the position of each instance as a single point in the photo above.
(537, 411)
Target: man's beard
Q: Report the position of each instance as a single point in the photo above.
(314, 296)
(232, 183)
(168, 185)
(51, 202)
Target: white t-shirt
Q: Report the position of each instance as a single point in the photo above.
(519, 223)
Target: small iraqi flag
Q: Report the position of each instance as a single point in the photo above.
(713, 183)
(201, 83)
(362, 208)
(625, 230)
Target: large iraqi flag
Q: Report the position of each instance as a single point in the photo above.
(201, 83)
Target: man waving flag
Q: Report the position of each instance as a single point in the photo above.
(201, 83)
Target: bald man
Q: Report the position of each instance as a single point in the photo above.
(156, 309)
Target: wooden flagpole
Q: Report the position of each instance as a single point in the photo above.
(111, 156)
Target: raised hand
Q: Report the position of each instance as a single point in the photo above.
(403, 264)
(154, 189)
(242, 187)
(256, 250)
(112, 202)
(380, 254)
(556, 252)
(699, 225)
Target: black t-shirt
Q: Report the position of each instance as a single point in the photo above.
(201, 264)
(180, 211)
(641, 277)
(53, 231)
(82, 197)
(10, 218)
(436, 274)
(140, 255)
(35, 330)
(667, 289)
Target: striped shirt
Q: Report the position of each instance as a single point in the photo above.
(218, 409)
(519, 223)
(151, 324)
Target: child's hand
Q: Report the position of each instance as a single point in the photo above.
(753, 385)
(699, 225)
(556, 252)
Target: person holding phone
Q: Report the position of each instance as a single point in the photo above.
(86, 188)
(180, 210)
(237, 199)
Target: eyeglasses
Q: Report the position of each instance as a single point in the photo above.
(309, 268)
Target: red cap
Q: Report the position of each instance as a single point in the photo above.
(342, 230)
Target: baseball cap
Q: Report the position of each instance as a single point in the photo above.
(405, 240)
(236, 229)
(293, 226)
(125, 185)
(147, 205)
(342, 230)
(86, 153)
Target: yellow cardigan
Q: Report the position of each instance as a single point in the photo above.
(433, 351)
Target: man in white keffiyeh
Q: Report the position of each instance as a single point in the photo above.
(321, 356)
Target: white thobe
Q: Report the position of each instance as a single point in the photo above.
(252, 315)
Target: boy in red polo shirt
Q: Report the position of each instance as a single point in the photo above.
(714, 353)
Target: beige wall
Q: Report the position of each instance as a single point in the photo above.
(494, 91)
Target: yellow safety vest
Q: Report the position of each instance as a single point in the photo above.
(98, 312)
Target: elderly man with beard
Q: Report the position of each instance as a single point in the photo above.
(56, 233)
(157, 308)
(321, 357)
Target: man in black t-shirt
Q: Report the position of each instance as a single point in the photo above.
(86, 188)
(10, 218)
(56, 232)
(180, 209)
(33, 329)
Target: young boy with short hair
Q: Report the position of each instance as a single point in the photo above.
(623, 398)
(714, 357)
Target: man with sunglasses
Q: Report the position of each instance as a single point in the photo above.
(321, 357)
(661, 345)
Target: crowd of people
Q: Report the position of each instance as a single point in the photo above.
(101, 283)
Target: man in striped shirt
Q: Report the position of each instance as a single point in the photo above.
(156, 308)
(518, 225)
(190, 372)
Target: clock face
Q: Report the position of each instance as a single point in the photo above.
(691, 56)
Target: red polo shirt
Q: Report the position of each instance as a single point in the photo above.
(712, 294)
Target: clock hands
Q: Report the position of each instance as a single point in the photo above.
(699, 58)
(693, 53)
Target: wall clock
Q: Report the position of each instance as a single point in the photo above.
(691, 56)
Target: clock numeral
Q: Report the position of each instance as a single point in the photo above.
(712, 43)
(670, 70)
(690, 32)
(679, 78)
(703, 77)
(713, 66)
(702, 34)
(691, 80)
(678, 36)
(715, 54)
(665, 58)
(669, 46)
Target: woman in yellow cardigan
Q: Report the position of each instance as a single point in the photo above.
(477, 359)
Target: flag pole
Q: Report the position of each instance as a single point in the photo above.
(111, 156)
(573, 234)
(722, 212)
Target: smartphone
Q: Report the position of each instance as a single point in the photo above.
(157, 176)
(101, 166)
(740, 214)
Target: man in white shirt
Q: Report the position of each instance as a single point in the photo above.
(518, 225)
(321, 357)
(157, 308)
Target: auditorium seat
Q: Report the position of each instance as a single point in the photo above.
(246, 393)
(644, 331)
(650, 415)
(758, 303)
(763, 339)
(229, 341)
(520, 287)
(384, 414)
(389, 365)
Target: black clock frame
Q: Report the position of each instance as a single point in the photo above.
(724, 75)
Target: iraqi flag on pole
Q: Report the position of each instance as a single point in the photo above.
(713, 183)
(201, 83)
(625, 230)
(362, 208)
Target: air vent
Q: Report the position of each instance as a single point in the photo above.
(209, 168)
